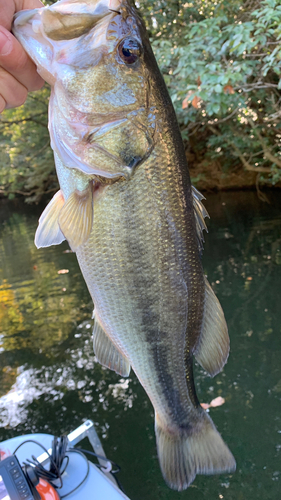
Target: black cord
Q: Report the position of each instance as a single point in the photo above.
(37, 465)
(59, 460)
(112, 472)
(31, 485)
(101, 458)
(73, 450)
(59, 447)
(32, 441)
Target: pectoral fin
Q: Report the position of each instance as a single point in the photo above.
(213, 346)
(48, 232)
(107, 354)
(76, 217)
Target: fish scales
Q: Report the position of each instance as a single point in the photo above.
(150, 291)
(127, 207)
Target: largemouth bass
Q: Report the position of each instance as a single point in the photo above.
(127, 208)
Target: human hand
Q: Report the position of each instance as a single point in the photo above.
(18, 73)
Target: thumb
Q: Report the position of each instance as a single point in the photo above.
(14, 60)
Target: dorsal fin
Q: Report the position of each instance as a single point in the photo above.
(200, 214)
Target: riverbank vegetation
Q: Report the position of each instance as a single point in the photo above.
(222, 63)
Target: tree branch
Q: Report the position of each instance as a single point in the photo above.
(246, 164)
(266, 151)
(222, 120)
(15, 122)
(256, 86)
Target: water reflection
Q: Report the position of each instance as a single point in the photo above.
(50, 380)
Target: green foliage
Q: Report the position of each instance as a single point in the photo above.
(222, 64)
(27, 165)
(223, 72)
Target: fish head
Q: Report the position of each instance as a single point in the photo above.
(44, 32)
(92, 53)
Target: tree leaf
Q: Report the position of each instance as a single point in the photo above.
(228, 89)
(195, 102)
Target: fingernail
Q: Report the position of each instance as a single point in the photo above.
(5, 44)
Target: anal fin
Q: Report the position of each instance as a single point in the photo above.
(76, 217)
(213, 347)
(107, 354)
(48, 232)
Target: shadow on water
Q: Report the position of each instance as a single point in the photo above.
(50, 381)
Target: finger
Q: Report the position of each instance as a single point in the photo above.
(2, 104)
(12, 92)
(10, 7)
(16, 61)
(30, 4)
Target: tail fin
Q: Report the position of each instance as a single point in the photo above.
(198, 450)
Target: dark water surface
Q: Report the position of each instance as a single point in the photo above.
(50, 381)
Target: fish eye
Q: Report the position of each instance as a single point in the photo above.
(130, 50)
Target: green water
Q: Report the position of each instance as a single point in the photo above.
(50, 382)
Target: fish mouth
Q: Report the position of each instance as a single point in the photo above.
(65, 19)
(23, 17)
(38, 30)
